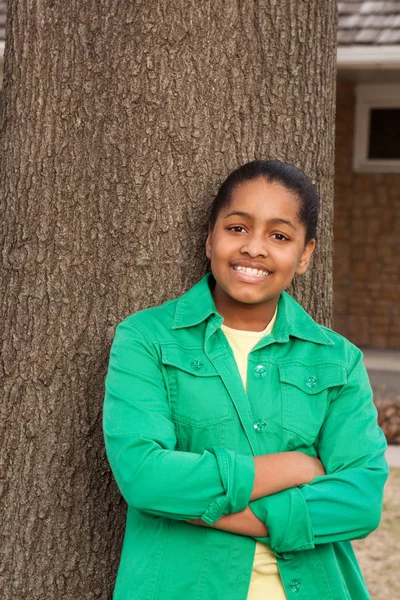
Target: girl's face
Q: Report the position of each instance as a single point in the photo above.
(257, 246)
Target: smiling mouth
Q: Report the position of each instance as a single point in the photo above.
(253, 272)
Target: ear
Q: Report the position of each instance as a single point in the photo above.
(209, 243)
(305, 257)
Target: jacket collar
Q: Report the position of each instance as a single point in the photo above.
(197, 305)
(293, 321)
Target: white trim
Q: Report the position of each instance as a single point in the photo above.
(368, 57)
(2, 44)
(382, 360)
(369, 96)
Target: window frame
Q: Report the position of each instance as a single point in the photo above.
(370, 96)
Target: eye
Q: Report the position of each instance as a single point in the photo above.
(280, 237)
(236, 228)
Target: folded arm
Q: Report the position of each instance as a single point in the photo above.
(346, 503)
(273, 473)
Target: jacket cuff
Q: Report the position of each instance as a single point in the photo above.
(286, 516)
(237, 474)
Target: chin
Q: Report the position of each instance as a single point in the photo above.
(249, 299)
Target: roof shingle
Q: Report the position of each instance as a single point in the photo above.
(369, 23)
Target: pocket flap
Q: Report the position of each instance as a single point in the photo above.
(190, 360)
(313, 379)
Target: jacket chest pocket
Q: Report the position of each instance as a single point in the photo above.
(306, 395)
(200, 405)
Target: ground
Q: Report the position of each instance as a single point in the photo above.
(379, 554)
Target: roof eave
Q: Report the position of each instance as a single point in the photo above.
(368, 57)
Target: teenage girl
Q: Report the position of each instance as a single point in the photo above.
(241, 433)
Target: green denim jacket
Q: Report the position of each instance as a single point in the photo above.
(180, 433)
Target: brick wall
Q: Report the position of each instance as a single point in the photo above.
(367, 242)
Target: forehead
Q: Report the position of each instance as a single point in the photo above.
(264, 199)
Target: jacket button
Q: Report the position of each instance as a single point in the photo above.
(311, 382)
(260, 426)
(295, 585)
(196, 364)
(260, 371)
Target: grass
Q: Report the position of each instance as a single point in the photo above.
(379, 553)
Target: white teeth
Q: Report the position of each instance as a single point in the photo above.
(249, 271)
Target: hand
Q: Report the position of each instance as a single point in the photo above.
(316, 467)
(306, 468)
(283, 470)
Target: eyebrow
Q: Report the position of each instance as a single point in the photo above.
(274, 221)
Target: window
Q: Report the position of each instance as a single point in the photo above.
(377, 128)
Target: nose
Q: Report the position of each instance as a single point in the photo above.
(255, 245)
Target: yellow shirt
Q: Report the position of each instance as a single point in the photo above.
(265, 580)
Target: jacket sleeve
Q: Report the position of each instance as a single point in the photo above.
(346, 503)
(140, 442)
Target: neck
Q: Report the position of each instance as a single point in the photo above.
(245, 317)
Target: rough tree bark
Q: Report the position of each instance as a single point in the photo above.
(119, 121)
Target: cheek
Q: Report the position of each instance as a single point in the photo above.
(290, 263)
(219, 248)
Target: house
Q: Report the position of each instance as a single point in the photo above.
(367, 180)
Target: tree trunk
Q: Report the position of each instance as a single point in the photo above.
(120, 119)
